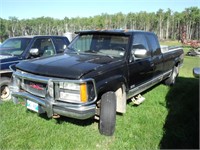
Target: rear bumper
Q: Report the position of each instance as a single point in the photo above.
(65, 109)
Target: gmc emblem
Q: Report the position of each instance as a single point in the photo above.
(36, 86)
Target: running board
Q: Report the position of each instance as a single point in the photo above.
(137, 100)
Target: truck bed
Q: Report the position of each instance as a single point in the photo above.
(165, 48)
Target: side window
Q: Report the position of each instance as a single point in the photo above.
(60, 44)
(140, 47)
(139, 41)
(45, 46)
(154, 46)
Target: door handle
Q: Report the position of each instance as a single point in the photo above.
(152, 65)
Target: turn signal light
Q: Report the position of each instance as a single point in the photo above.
(83, 92)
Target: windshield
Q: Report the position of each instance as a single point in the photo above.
(14, 46)
(100, 44)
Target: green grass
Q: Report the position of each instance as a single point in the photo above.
(168, 118)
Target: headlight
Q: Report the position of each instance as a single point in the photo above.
(69, 86)
(16, 83)
(51, 88)
(73, 92)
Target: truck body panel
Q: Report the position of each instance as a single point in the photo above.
(96, 64)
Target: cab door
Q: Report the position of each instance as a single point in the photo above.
(140, 69)
(157, 56)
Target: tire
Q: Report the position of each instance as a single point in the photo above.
(172, 79)
(107, 118)
(5, 90)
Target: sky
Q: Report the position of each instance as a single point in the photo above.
(59, 9)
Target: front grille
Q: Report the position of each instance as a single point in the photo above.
(35, 88)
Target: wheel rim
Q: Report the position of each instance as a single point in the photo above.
(5, 92)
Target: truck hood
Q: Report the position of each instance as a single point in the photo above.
(8, 58)
(5, 55)
(70, 66)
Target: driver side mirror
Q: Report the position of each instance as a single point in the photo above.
(34, 52)
(64, 46)
(140, 53)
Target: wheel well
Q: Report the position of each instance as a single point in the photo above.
(120, 92)
(177, 64)
(8, 75)
(108, 88)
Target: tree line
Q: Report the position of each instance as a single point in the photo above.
(166, 24)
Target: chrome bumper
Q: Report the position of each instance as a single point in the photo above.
(65, 109)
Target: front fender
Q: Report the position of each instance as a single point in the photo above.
(111, 84)
(12, 67)
(7, 72)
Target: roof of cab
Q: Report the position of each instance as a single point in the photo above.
(32, 36)
(114, 31)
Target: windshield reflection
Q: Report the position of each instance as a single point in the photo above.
(95, 44)
(14, 46)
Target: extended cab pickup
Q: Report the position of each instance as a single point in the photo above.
(16, 49)
(97, 74)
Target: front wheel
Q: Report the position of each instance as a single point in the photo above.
(5, 90)
(107, 118)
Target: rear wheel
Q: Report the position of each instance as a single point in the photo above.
(5, 90)
(107, 118)
(172, 79)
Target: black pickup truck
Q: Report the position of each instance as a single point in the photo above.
(99, 71)
(16, 49)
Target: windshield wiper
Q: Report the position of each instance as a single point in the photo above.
(6, 54)
(90, 51)
(104, 54)
(71, 50)
(97, 53)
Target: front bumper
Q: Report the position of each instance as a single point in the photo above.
(65, 109)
